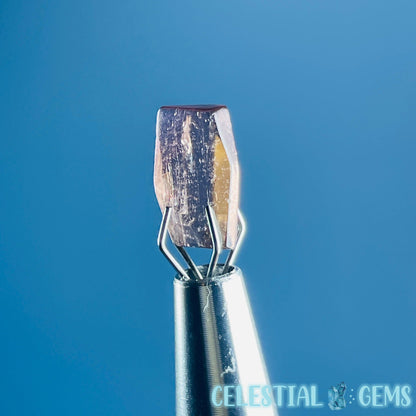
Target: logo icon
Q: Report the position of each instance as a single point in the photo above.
(336, 400)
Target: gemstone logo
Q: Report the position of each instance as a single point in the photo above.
(336, 399)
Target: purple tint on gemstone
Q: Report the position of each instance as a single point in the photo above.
(195, 107)
(196, 166)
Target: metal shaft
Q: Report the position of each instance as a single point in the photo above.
(216, 343)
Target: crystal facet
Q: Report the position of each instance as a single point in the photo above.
(196, 165)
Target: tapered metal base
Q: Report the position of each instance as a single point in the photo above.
(216, 343)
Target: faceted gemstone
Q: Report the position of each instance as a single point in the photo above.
(196, 165)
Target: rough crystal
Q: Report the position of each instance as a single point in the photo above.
(196, 165)
(336, 399)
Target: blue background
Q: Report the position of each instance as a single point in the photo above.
(322, 96)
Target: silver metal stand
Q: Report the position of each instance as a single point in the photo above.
(216, 343)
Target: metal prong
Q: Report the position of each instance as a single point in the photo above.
(233, 253)
(190, 262)
(161, 242)
(216, 238)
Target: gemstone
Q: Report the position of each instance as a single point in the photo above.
(196, 166)
(336, 399)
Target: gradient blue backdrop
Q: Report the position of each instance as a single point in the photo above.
(322, 96)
